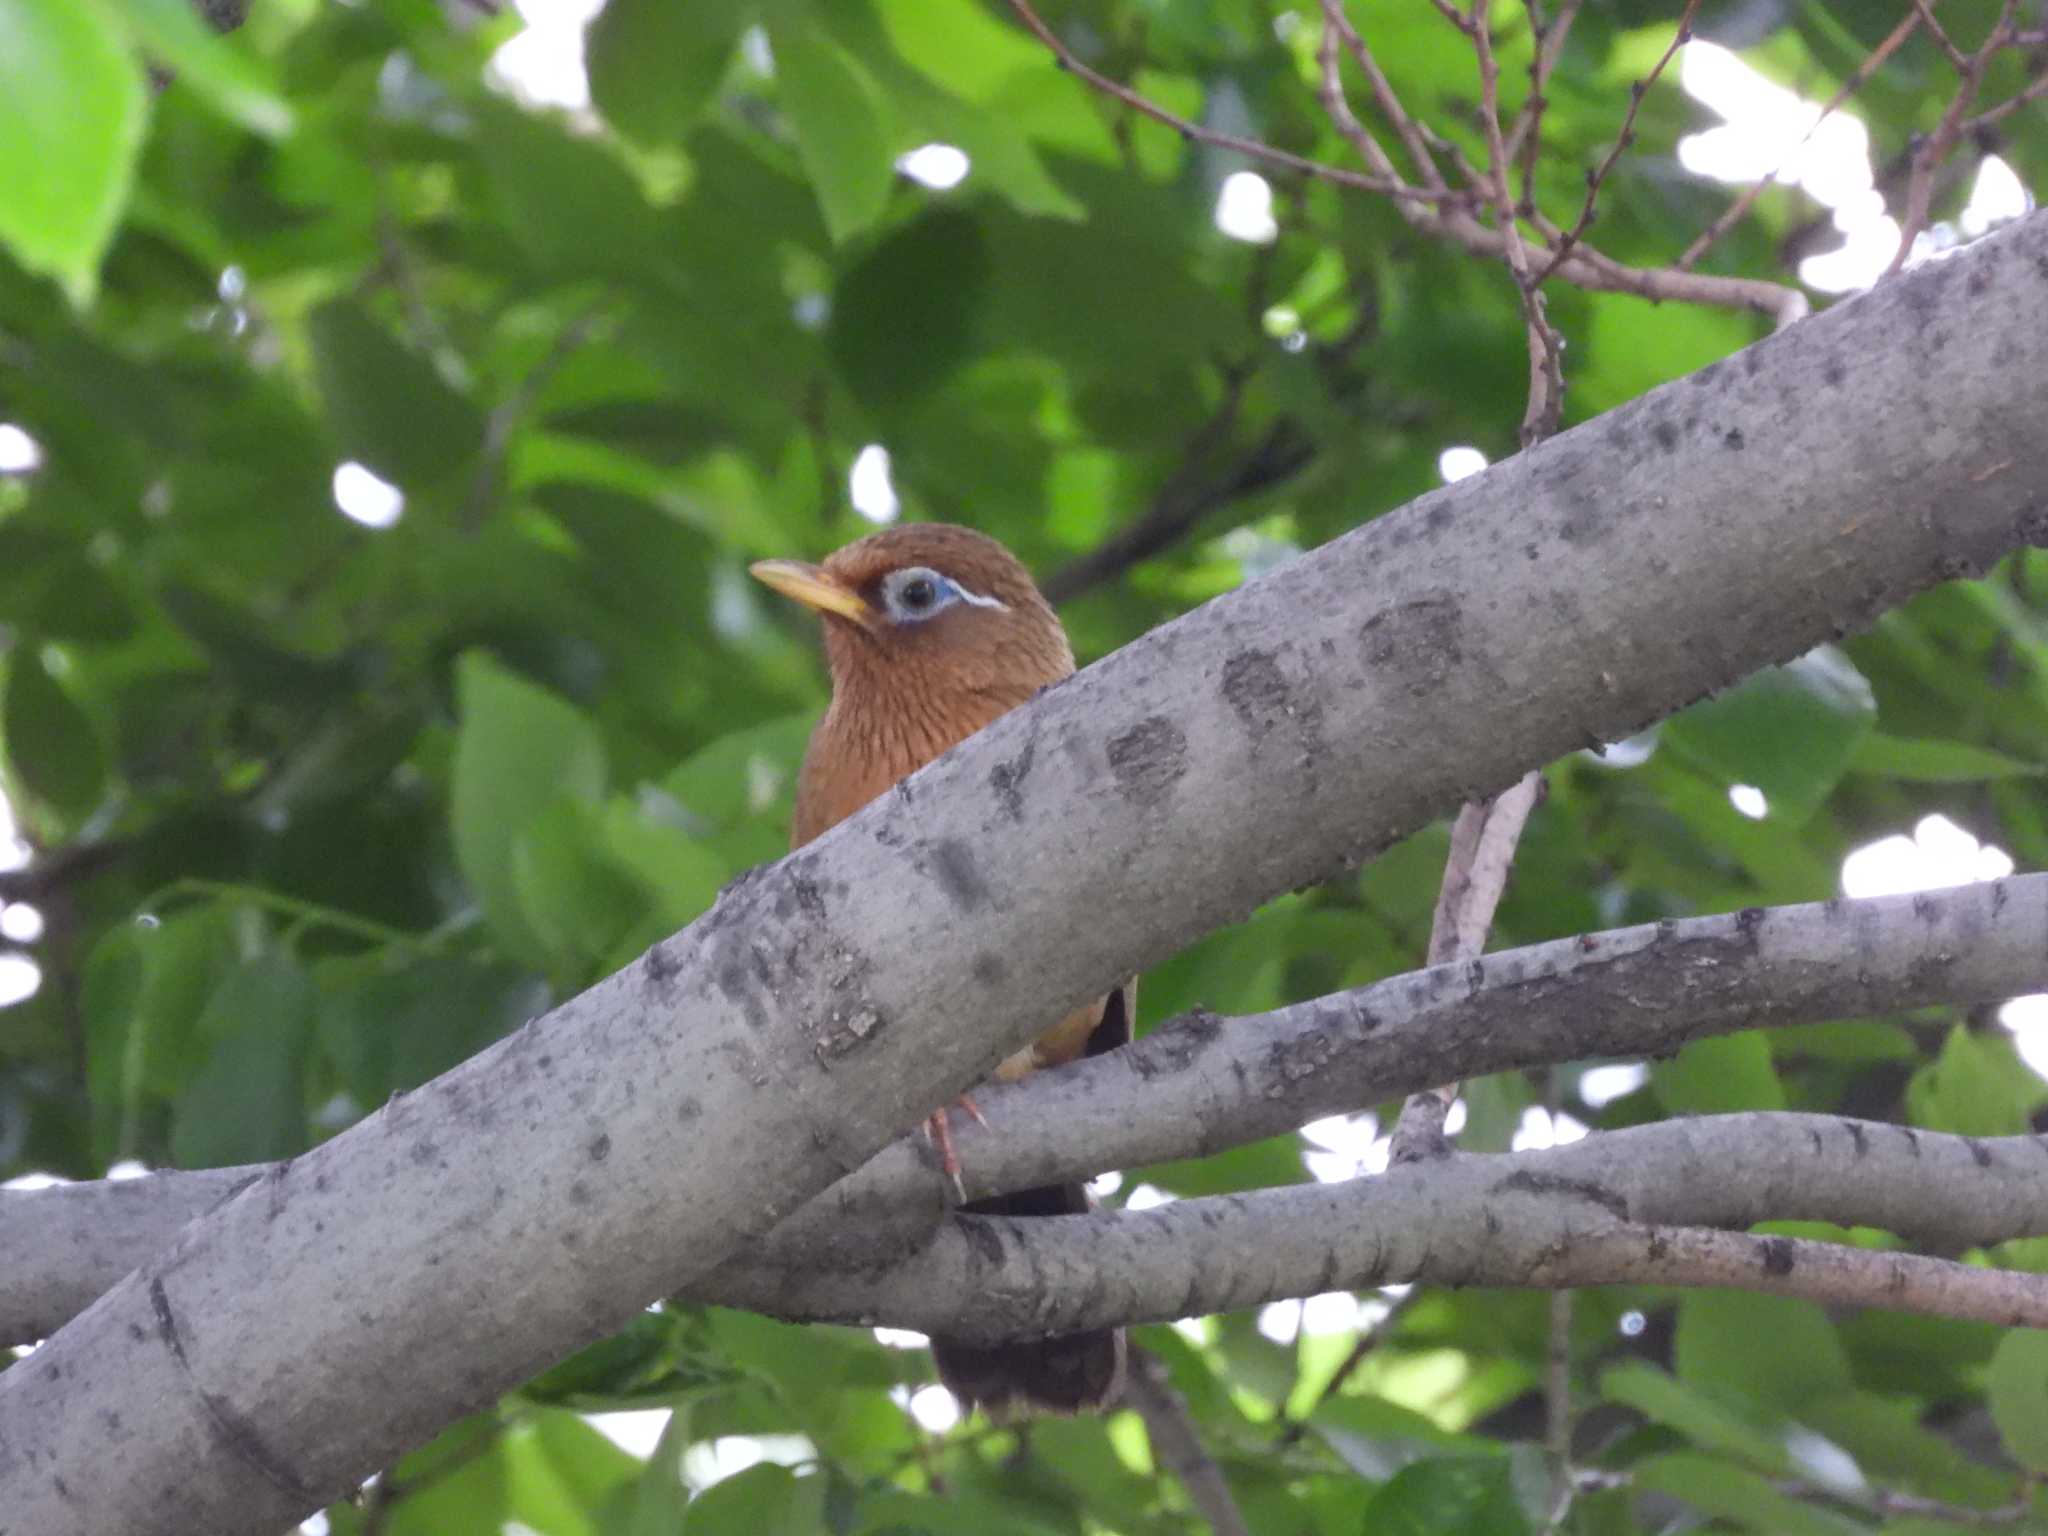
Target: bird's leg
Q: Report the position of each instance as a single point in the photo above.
(939, 1131)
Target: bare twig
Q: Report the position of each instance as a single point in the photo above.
(1483, 840)
(1734, 212)
(1636, 92)
(1956, 57)
(1525, 137)
(1362, 1349)
(2033, 90)
(1337, 27)
(506, 416)
(1927, 159)
(1251, 148)
(1468, 25)
(1194, 490)
(1177, 1446)
(1892, 1504)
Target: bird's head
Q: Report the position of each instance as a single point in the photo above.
(929, 608)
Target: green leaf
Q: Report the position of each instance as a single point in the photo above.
(72, 126)
(653, 64)
(1978, 1086)
(764, 1500)
(1737, 1495)
(570, 203)
(1706, 1422)
(559, 1471)
(837, 118)
(247, 1104)
(1710, 1077)
(223, 73)
(2018, 1385)
(48, 746)
(518, 750)
(392, 1032)
(1935, 762)
(571, 894)
(1448, 1496)
(1789, 730)
(389, 407)
(1767, 1350)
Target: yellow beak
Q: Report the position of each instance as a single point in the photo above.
(811, 586)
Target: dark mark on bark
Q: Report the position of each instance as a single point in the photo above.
(1422, 638)
(661, 967)
(600, 1147)
(1979, 1151)
(1525, 1181)
(1175, 1046)
(1148, 760)
(988, 969)
(953, 861)
(1777, 1255)
(1007, 779)
(1856, 1136)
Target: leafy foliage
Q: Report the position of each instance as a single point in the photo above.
(318, 809)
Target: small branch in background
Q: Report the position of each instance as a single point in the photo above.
(1735, 211)
(1483, 840)
(1251, 148)
(508, 413)
(1362, 1349)
(1194, 490)
(1557, 1374)
(1622, 142)
(1525, 136)
(1931, 153)
(1890, 1504)
(1177, 1447)
(1924, 9)
(2033, 90)
(48, 873)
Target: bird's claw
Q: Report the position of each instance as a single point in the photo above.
(938, 1131)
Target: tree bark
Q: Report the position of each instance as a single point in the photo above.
(332, 1314)
(1200, 1084)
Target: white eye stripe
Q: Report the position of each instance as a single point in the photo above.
(978, 600)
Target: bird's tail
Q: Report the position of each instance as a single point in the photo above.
(1074, 1373)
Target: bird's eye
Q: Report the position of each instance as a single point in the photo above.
(917, 593)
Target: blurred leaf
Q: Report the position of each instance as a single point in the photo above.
(1934, 762)
(839, 128)
(247, 1103)
(390, 408)
(1733, 1072)
(216, 67)
(52, 754)
(1704, 1421)
(1743, 1498)
(764, 1500)
(1978, 1086)
(390, 1033)
(67, 170)
(2018, 1383)
(1790, 731)
(1448, 1496)
(653, 64)
(519, 750)
(1767, 1350)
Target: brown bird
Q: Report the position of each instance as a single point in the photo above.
(931, 632)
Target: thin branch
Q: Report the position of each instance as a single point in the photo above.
(2033, 90)
(1525, 138)
(1622, 141)
(1482, 855)
(1934, 29)
(1735, 211)
(1628, 1208)
(1190, 493)
(1930, 155)
(1251, 148)
(1200, 1084)
(506, 416)
(1363, 1348)
(1177, 1444)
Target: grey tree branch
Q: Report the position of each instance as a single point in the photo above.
(1177, 1447)
(1200, 1084)
(344, 1306)
(1642, 1206)
(1483, 840)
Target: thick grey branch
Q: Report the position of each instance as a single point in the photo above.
(1201, 1084)
(334, 1313)
(1631, 1206)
